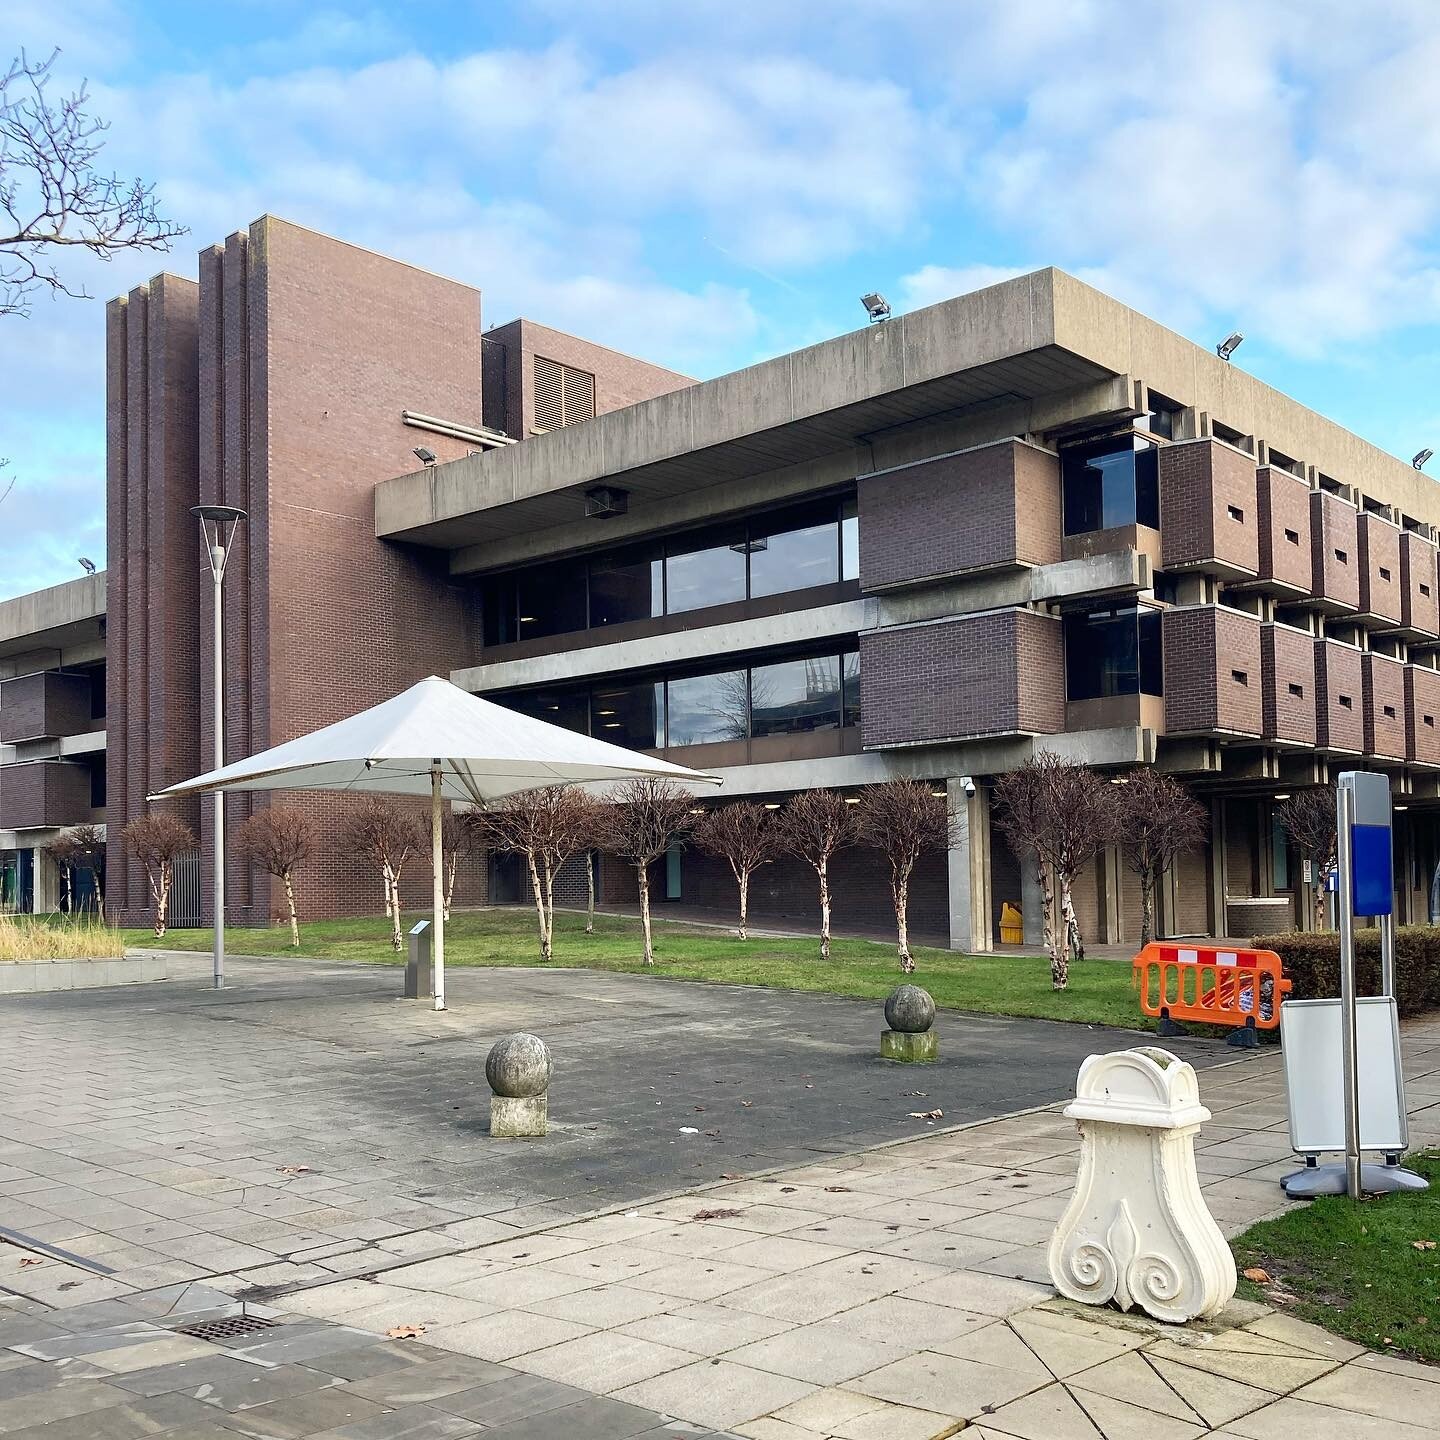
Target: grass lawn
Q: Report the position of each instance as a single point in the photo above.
(1099, 990)
(1369, 1272)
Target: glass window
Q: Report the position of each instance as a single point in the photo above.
(550, 599)
(795, 695)
(1112, 652)
(1280, 854)
(1110, 482)
(497, 600)
(710, 570)
(627, 585)
(707, 708)
(629, 715)
(567, 708)
(850, 665)
(794, 549)
(849, 540)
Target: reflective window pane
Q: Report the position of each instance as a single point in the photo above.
(1112, 652)
(795, 696)
(626, 585)
(708, 708)
(1110, 482)
(794, 549)
(712, 573)
(497, 601)
(629, 715)
(849, 542)
(850, 664)
(550, 599)
(569, 709)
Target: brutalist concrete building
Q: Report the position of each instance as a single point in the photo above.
(1024, 518)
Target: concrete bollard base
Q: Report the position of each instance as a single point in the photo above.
(910, 1049)
(514, 1117)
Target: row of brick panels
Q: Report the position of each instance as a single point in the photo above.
(47, 704)
(42, 794)
(999, 505)
(1226, 673)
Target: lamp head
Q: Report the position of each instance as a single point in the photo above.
(424, 454)
(877, 307)
(1420, 461)
(1229, 345)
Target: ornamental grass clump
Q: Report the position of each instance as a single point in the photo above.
(23, 939)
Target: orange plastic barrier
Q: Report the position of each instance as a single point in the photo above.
(1210, 984)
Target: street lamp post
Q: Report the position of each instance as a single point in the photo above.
(217, 541)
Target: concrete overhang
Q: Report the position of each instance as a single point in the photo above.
(1032, 336)
(53, 619)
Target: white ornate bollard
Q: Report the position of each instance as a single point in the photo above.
(1137, 1231)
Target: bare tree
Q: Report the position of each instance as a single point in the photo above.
(813, 825)
(1308, 818)
(460, 836)
(53, 196)
(547, 827)
(62, 852)
(89, 845)
(904, 819)
(387, 835)
(278, 839)
(1156, 820)
(644, 818)
(746, 837)
(157, 841)
(1058, 813)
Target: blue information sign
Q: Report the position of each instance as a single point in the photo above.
(1372, 863)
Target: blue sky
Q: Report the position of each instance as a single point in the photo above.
(707, 184)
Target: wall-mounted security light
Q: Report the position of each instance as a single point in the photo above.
(1422, 459)
(88, 566)
(877, 307)
(1229, 345)
(424, 454)
(603, 501)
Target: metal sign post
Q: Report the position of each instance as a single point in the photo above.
(1365, 886)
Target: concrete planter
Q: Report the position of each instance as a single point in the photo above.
(43, 975)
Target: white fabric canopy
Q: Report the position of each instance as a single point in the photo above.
(438, 740)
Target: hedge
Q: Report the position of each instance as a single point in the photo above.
(1312, 962)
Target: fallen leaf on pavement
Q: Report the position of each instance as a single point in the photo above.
(29, 1260)
(688, 1130)
(927, 1114)
(730, 1175)
(293, 1169)
(837, 1189)
(1423, 1244)
(720, 1214)
(404, 1332)
(747, 1103)
(1259, 1276)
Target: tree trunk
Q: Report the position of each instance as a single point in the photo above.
(642, 874)
(161, 890)
(451, 866)
(823, 869)
(550, 909)
(902, 921)
(743, 876)
(1073, 941)
(538, 891)
(1147, 907)
(392, 906)
(66, 898)
(290, 901)
(1055, 944)
(1320, 905)
(589, 892)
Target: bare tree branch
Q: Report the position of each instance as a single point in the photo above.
(814, 825)
(904, 819)
(53, 197)
(745, 837)
(278, 839)
(643, 819)
(157, 841)
(1308, 818)
(387, 836)
(1156, 821)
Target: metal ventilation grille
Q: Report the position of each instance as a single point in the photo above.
(228, 1327)
(563, 395)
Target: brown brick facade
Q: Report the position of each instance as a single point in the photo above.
(1380, 588)
(1383, 687)
(1000, 673)
(1335, 550)
(1419, 599)
(1287, 662)
(1213, 671)
(44, 705)
(1339, 700)
(1283, 509)
(45, 793)
(1422, 715)
(1208, 509)
(980, 509)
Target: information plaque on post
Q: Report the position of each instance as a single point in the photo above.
(1370, 1096)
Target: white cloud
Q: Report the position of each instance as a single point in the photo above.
(931, 284)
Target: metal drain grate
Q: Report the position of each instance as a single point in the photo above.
(228, 1327)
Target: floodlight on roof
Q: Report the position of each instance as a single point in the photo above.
(1229, 345)
(877, 307)
(88, 566)
(1422, 459)
(424, 454)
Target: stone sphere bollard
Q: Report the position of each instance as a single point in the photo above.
(518, 1069)
(909, 1012)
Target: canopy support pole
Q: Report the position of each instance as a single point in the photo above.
(437, 868)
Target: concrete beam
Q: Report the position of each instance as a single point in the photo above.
(46, 619)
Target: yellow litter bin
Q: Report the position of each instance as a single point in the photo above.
(1012, 925)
